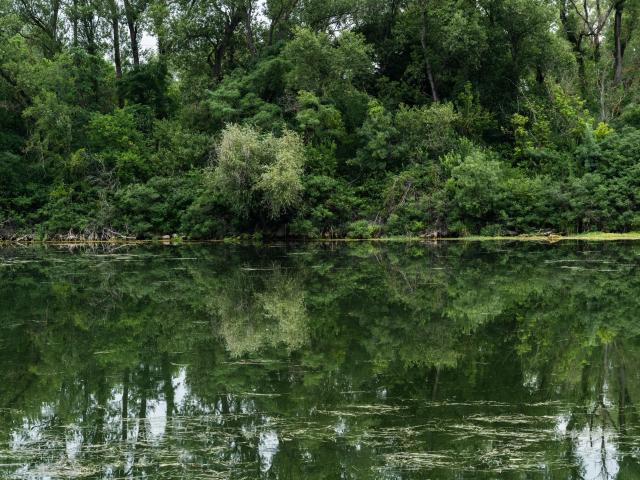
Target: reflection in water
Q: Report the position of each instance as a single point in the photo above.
(323, 361)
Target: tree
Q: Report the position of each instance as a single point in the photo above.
(134, 11)
(392, 102)
(324, 67)
(44, 21)
(205, 30)
(255, 171)
(112, 11)
(279, 13)
(425, 51)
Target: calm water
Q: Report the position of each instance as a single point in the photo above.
(399, 361)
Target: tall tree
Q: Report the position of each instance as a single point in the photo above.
(595, 16)
(86, 12)
(113, 14)
(425, 52)
(575, 33)
(279, 12)
(248, 28)
(618, 41)
(204, 30)
(43, 17)
(134, 12)
(158, 12)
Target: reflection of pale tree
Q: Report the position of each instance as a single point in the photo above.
(266, 312)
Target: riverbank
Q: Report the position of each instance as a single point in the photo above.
(591, 237)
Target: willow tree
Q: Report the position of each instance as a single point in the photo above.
(258, 173)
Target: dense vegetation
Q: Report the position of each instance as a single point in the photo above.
(318, 118)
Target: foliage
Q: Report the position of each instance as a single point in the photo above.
(317, 118)
(256, 172)
(321, 66)
(147, 85)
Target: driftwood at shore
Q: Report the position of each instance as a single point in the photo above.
(106, 234)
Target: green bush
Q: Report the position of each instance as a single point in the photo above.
(155, 207)
(362, 229)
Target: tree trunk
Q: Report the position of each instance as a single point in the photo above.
(89, 29)
(619, 49)
(576, 44)
(125, 404)
(218, 55)
(169, 393)
(115, 30)
(48, 24)
(116, 46)
(427, 62)
(622, 397)
(249, 32)
(75, 23)
(222, 45)
(55, 7)
(159, 20)
(283, 15)
(133, 32)
(272, 27)
(391, 20)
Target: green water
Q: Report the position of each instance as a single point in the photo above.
(390, 361)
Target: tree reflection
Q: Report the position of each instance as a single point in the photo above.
(310, 361)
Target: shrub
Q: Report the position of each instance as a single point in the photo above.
(363, 229)
(257, 173)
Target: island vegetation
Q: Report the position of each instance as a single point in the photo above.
(318, 118)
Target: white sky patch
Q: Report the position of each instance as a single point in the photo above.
(149, 43)
(267, 449)
(158, 418)
(181, 390)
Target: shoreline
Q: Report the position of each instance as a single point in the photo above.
(585, 237)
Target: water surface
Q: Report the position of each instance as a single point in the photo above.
(360, 361)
